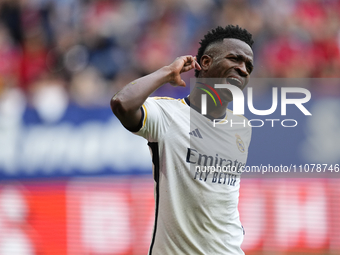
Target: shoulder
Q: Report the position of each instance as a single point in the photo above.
(165, 102)
(156, 107)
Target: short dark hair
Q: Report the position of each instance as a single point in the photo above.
(218, 34)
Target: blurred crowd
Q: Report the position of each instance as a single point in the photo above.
(83, 51)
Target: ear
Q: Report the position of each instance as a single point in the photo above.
(206, 62)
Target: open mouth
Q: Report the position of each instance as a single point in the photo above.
(234, 81)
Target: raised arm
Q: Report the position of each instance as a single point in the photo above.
(127, 102)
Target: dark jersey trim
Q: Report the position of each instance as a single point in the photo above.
(186, 99)
(155, 160)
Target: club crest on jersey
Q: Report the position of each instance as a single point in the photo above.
(239, 143)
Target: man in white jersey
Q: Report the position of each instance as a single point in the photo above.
(196, 207)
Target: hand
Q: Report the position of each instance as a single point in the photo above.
(180, 65)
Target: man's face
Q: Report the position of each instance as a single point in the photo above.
(231, 60)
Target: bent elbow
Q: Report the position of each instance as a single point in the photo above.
(129, 118)
(117, 107)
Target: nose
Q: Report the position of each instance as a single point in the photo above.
(242, 68)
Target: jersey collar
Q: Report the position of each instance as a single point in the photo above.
(187, 101)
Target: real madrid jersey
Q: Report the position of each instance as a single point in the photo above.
(196, 168)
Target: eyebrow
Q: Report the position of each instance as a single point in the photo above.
(244, 58)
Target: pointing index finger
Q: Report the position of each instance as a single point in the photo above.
(197, 66)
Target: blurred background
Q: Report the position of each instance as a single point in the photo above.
(73, 181)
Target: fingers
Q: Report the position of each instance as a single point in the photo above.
(180, 65)
(197, 66)
(190, 63)
(187, 68)
(193, 61)
(182, 83)
(186, 63)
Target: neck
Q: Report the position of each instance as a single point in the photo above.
(213, 112)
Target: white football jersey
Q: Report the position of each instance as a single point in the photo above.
(196, 208)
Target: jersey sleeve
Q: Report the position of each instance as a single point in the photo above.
(157, 117)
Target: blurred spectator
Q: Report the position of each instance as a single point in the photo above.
(88, 88)
(9, 59)
(49, 97)
(103, 42)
